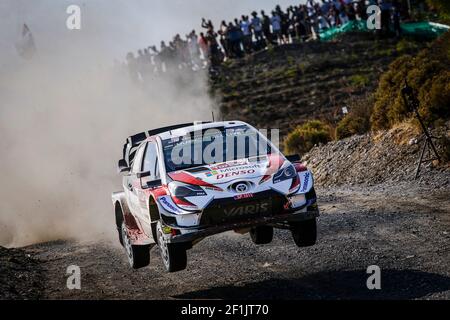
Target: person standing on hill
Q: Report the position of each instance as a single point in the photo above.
(224, 38)
(266, 23)
(248, 36)
(276, 27)
(284, 24)
(203, 44)
(386, 8)
(257, 28)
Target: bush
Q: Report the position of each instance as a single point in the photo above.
(358, 119)
(350, 126)
(442, 7)
(404, 46)
(428, 73)
(359, 80)
(306, 136)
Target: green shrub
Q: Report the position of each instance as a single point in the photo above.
(306, 136)
(442, 7)
(359, 80)
(350, 126)
(428, 73)
(358, 119)
(405, 46)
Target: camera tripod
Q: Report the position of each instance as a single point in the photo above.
(412, 104)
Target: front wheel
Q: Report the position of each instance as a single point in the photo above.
(138, 256)
(304, 232)
(262, 235)
(173, 255)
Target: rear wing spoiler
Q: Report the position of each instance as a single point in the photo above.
(134, 142)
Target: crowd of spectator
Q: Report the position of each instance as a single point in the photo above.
(249, 34)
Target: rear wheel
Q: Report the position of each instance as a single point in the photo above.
(262, 235)
(138, 256)
(304, 233)
(173, 255)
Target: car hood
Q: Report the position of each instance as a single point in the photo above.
(224, 173)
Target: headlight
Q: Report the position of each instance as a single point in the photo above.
(182, 190)
(285, 174)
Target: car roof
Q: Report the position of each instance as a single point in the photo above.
(178, 132)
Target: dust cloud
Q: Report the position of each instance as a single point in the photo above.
(64, 116)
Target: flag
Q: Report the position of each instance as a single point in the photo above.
(26, 47)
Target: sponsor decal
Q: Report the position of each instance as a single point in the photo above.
(211, 173)
(235, 174)
(306, 182)
(247, 210)
(242, 188)
(227, 168)
(239, 168)
(244, 196)
(168, 205)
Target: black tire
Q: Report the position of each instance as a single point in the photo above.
(138, 256)
(173, 255)
(119, 221)
(119, 231)
(304, 233)
(262, 235)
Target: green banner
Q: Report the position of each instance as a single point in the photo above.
(425, 29)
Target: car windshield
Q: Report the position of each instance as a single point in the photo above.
(213, 146)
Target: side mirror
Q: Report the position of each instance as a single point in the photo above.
(123, 166)
(141, 175)
(153, 184)
(294, 158)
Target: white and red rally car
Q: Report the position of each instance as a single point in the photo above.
(187, 182)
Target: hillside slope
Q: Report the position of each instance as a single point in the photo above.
(284, 86)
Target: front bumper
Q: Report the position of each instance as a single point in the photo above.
(191, 234)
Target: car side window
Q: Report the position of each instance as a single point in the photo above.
(150, 163)
(157, 174)
(138, 160)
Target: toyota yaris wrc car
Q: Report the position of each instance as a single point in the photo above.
(187, 182)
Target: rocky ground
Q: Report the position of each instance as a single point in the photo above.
(21, 276)
(383, 158)
(403, 229)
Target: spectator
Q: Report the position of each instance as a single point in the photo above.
(386, 8)
(224, 38)
(298, 23)
(203, 44)
(207, 25)
(157, 61)
(237, 24)
(276, 27)
(284, 24)
(361, 10)
(194, 49)
(213, 47)
(396, 18)
(266, 24)
(247, 32)
(133, 69)
(257, 28)
(234, 36)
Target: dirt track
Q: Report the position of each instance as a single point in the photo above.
(404, 229)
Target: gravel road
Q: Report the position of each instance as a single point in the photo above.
(404, 229)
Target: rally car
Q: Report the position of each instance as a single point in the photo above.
(187, 182)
